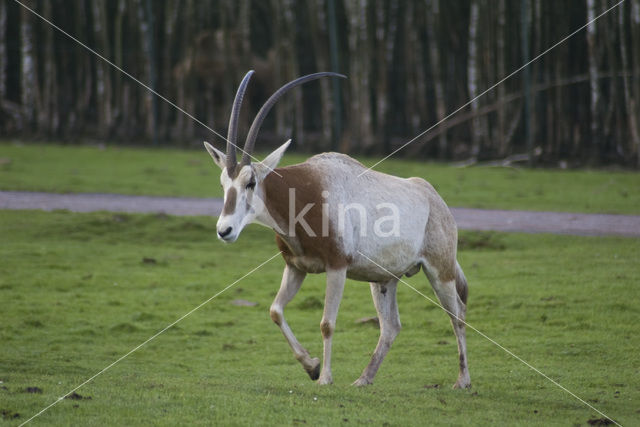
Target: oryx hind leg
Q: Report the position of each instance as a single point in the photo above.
(291, 280)
(451, 288)
(384, 298)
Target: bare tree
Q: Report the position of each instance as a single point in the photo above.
(319, 39)
(168, 84)
(501, 69)
(30, 93)
(359, 95)
(593, 78)
(630, 100)
(472, 76)
(415, 74)
(386, 28)
(635, 48)
(296, 109)
(183, 72)
(3, 51)
(118, 80)
(279, 73)
(48, 117)
(83, 75)
(536, 30)
(433, 20)
(244, 27)
(103, 70)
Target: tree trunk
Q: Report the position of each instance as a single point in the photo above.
(562, 120)
(525, 18)
(415, 70)
(472, 77)
(635, 48)
(103, 70)
(536, 31)
(144, 31)
(382, 73)
(279, 74)
(28, 75)
(186, 75)
(386, 28)
(593, 81)
(319, 40)
(433, 20)
(359, 96)
(286, 70)
(611, 102)
(500, 54)
(409, 54)
(147, 30)
(118, 117)
(296, 108)
(3, 51)
(170, 18)
(231, 67)
(49, 116)
(83, 76)
(244, 24)
(630, 100)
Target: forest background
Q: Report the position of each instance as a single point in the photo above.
(409, 65)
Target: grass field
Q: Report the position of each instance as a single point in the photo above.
(191, 173)
(80, 290)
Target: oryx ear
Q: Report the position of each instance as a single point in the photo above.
(218, 156)
(266, 166)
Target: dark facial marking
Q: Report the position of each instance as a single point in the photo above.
(252, 182)
(230, 202)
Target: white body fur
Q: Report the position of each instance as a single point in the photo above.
(398, 253)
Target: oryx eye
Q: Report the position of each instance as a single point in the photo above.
(251, 185)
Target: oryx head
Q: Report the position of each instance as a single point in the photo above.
(241, 182)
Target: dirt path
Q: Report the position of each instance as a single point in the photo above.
(467, 219)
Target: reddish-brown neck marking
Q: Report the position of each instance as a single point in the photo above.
(308, 190)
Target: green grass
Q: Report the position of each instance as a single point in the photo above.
(173, 172)
(80, 290)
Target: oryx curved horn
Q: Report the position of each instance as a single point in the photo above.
(257, 122)
(232, 133)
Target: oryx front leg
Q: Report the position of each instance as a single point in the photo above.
(384, 298)
(291, 280)
(335, 286)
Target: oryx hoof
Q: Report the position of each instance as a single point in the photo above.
(462, 383)
(361, 382)
(325, 380)
(314, 369)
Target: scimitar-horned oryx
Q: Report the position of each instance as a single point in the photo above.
(327, 216)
